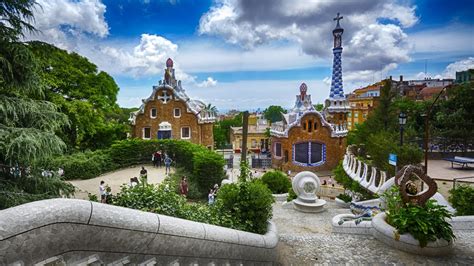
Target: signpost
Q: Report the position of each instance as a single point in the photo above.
(392, 159)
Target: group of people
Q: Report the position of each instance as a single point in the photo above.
(158, 158)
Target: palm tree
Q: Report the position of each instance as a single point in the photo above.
(211, 109)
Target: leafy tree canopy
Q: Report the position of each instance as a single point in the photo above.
(87, 96)
(273, 113)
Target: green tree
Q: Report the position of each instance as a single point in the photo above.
(222, 130)
(319, 106)
(87, 96)
(27, 122)
(454, 118)
(274, 113)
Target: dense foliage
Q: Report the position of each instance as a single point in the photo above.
(274, 113)
(27, 121)
(345, 197)
(276, 181)
(426, 223)
(462, 199)
(87, 96)
(244, 206)
(349, 184)
(249, 203)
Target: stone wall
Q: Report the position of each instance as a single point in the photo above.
(74, 229)
(200, 133)
(335, 147)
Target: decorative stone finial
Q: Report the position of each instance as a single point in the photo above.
(303, 89)
(169, 62)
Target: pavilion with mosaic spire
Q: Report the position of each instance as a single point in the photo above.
(336, 106)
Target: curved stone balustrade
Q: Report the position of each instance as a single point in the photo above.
(359, 171)
(72, 229)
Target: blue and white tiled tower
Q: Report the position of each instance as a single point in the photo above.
(337, 105)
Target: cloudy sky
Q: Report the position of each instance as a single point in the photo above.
(247, 54)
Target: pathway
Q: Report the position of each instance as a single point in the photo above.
(115, 179)
(307, 239)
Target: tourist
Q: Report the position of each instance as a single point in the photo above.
(60, 172)
(132, 182)
(216, 189)
(102, 193)
(157, 159)
(183, 186)
(143, 174)
(167, 164)
(211, 196)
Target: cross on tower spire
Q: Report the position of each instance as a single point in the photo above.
(338, 17)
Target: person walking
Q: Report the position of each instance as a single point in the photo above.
(102, 192)
(143, 174)
(183, 186)
(210, 197)
(157, 159)
(167, 164)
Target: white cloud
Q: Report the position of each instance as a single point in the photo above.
(452, 38)
(462, 65)
(369, 45)
(63, 22)
(209, 82)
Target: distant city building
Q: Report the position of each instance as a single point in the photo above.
(465, 76)
(307, 139)
(170, 114)
(362, 101)
(257, 138)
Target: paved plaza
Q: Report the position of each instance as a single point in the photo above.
(307, 239)
(115, 179)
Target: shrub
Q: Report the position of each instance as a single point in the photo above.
(425, 223)
(291, 195)
(151, 198)
(345, 197)
(249, 203)
(193, 189)
(276, 181)
(208, 169)
(462, 199)
(250, 213)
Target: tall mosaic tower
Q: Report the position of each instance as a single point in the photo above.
(337, 105)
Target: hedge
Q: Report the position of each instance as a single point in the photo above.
(204, 165)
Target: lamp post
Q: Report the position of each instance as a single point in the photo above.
(402, 120)
(427, 129)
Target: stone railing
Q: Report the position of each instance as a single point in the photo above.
(72, 232)
(366, 175)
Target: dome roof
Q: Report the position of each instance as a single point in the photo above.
(169, 63)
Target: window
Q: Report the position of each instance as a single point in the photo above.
(185, 133)
(177, 112)
(153, 112)
(304, 125)
(278, 149)
(146, 133)
(309, 153)
(349, 115)
(356, 115)
(315, 125)
(310, 126)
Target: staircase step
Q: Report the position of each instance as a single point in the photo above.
(53, 261)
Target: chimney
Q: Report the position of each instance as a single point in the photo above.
(390, 77)
(401, 78)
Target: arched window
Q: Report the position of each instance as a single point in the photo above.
(310, 126)
(309, 153)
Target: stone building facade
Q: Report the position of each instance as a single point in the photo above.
(170, 114)
(304, 140)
